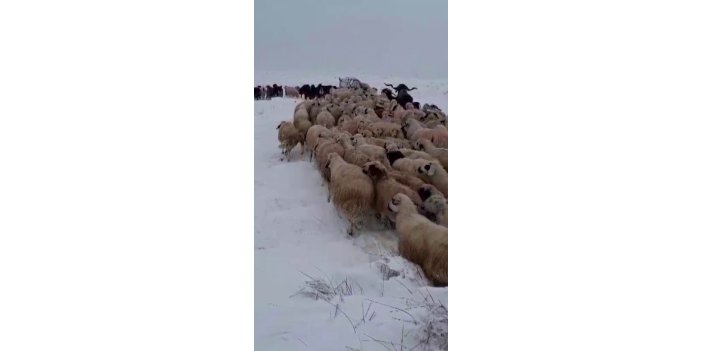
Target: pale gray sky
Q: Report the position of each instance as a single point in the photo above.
(352, 37)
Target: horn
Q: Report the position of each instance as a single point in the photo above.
(412, 88)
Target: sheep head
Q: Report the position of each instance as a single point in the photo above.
(375, 170)
(400, 202)
(428, 168)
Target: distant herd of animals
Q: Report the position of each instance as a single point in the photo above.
(312, 91)
(381, 157)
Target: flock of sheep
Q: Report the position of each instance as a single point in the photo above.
(381, 161)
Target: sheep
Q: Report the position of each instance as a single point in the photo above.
(397, 143)
(374, 151)
(413, 182)
(438, 153)
(348, 125)
(304, 105)
(362, 140)
(325, 118)
(439, 136)
(414, 130)
(385, 129)
(435, 174)
(315, 108)
(313, 134)
(351, 190)
(351, 155)
(289, 137)
(399, 162)
(412, 127)
(421, 241)
(434, 204)
(386, 187)
(348, 109)
(336, 111)
(324, 147)
(409, 153)
(433, 118)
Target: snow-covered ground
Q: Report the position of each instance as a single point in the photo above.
(316, 288)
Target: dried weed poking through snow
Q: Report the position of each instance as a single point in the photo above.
(428, 314)
(326, 289)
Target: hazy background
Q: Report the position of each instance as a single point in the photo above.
(407, 38)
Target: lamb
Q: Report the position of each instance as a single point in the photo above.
(289, 137)
(325, 118)
(438, 153)
(421, 241)
(351, 190)
(436, 175)
(434, 204)
(386, 187)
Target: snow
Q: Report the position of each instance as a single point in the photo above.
(316, 288)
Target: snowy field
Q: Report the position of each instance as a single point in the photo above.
(316, 288)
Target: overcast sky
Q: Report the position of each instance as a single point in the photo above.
(360, 37)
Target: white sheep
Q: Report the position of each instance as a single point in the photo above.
(435, 174)
(289, 137)
(438, 153)
(325, 118)
(434, 204)
(421, 241)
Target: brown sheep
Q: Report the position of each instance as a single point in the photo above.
(326, 146)
(313, 134)
(386, 187)
(351, 191)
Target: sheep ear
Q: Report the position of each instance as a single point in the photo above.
(278, 127)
